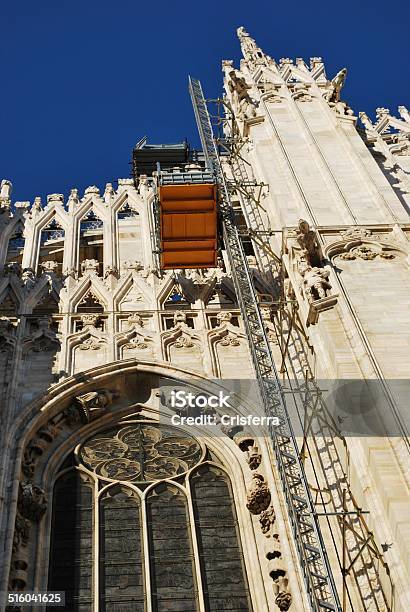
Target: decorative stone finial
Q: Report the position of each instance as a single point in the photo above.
(92, 190)
(36, 208)
(55, 197)
(5, 190)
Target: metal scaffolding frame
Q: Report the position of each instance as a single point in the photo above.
(315, 566)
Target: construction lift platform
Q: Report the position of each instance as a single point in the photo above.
(187, 220)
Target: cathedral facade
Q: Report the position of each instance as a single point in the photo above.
(104, 496)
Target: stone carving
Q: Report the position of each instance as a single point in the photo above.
(108, 193)
(55, 197)
(36, 208)
(5, 190)
(283, 598)
(126, 266)
(73, 199)
(92, 190)
(316, 284)
(95, 339)
(254, 457)
(366, 252)
(111, 271)
(183, 342)
(37, 445)
(49, 267)
(28, 279)
(89, 406)
(90, 266)
(224, 317)
(239, 90)
(135, 320)
(259, 496)
(90, 319)
(355, 232)
(31, 506)
(270, 92)
(308, 242)
(32, 502)
(301, 92)
(11, 268)
(267, 519)
(335, 86)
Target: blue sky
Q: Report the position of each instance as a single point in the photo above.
(81, 82)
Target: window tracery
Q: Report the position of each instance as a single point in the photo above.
(145, 520)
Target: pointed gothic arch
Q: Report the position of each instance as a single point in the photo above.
(63, 432)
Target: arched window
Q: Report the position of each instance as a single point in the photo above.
(144, 520)
(91, 243)
(130, 244)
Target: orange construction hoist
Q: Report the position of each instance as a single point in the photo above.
(187, 204)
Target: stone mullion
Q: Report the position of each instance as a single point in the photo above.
(96, 551)
(146, 555)
(195, 548)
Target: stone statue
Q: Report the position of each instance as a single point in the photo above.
(5, 190)
(307, 240)
(28, 279)
(316, 284)
(239, 88)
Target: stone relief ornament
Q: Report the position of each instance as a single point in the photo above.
(49, 267)
(183, 342)
(283, 598)
(32, 502)
(355, 232)
(267, 519)
(259, 496)
(37, 445)
(89, 406)
(90, 266)
(140, 452)
(28, 279)
(254, 457)
(366, 252)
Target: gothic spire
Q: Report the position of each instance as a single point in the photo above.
(250, 50)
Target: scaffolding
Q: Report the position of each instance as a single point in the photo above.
(320, 585)
(323, 446)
